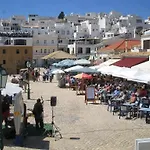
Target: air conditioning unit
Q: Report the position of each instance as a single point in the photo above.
(142, 144)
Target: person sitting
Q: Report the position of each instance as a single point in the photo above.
(38, 114)
(133, 98)
(116, 92)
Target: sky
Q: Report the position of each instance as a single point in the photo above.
(54, 7)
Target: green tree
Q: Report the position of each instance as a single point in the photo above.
(61, 15)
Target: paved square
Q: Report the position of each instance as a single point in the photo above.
(84, 127)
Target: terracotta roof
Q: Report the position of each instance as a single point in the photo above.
(121, 45)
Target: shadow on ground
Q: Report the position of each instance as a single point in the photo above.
(34, 139)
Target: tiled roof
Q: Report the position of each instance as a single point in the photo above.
(121, 45)
(59, 55)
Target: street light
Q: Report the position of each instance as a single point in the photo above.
(3, 81)
(28, 66)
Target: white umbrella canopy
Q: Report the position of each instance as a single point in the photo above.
(73, 68)
(85, 70)
(95, 67)
(82, 62)
(57, 71)
(11, 89)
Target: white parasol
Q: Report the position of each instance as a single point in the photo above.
(11, 89)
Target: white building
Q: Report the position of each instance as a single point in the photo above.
(83, 47)
(145, 41)
(44, 45)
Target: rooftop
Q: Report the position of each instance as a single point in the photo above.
(121, 45)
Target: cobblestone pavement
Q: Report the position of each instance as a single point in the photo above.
(84, 127)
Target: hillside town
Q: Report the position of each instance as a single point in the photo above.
(88, 73)
(23, 39)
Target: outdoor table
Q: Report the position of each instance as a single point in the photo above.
(117, 102)
(117, 99)
(131, 107)
(147, 110)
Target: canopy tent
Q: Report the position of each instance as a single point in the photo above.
(132, 73)
(11, 89)
(83, 76)
(59, 55)
(130, 61)
(85, 70)
(145, 66)
(110, 70)
(73, 68)
(82, 62)
(106, 63)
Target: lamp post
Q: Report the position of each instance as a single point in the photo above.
(3, 81)
(28, 66)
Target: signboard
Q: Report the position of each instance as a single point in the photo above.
(89, 94)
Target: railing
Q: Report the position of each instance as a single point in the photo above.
(16, 34)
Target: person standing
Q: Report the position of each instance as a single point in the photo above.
(5, 111)
(38, 114)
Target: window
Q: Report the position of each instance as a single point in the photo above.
(4, 61)
(53, 50)
(4, 51)
(45, 50)
(17, 51)
(33, 19)
(146, 44)
(42, 27)
(88, 50)
(45, 41)
(60, 41)
(41, 51)
(36, 51)
(138, 21)
(80, 51)
(37, 41)
(52, 41)
(20, 42)
(63, 32)
(68, 32)
(25, 51)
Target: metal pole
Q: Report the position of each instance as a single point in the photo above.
(1, 131)
(28, 84)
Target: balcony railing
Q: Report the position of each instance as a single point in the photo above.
(16, 34)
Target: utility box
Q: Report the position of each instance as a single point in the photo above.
(142, 144)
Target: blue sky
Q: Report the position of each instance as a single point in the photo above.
(54, 7)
